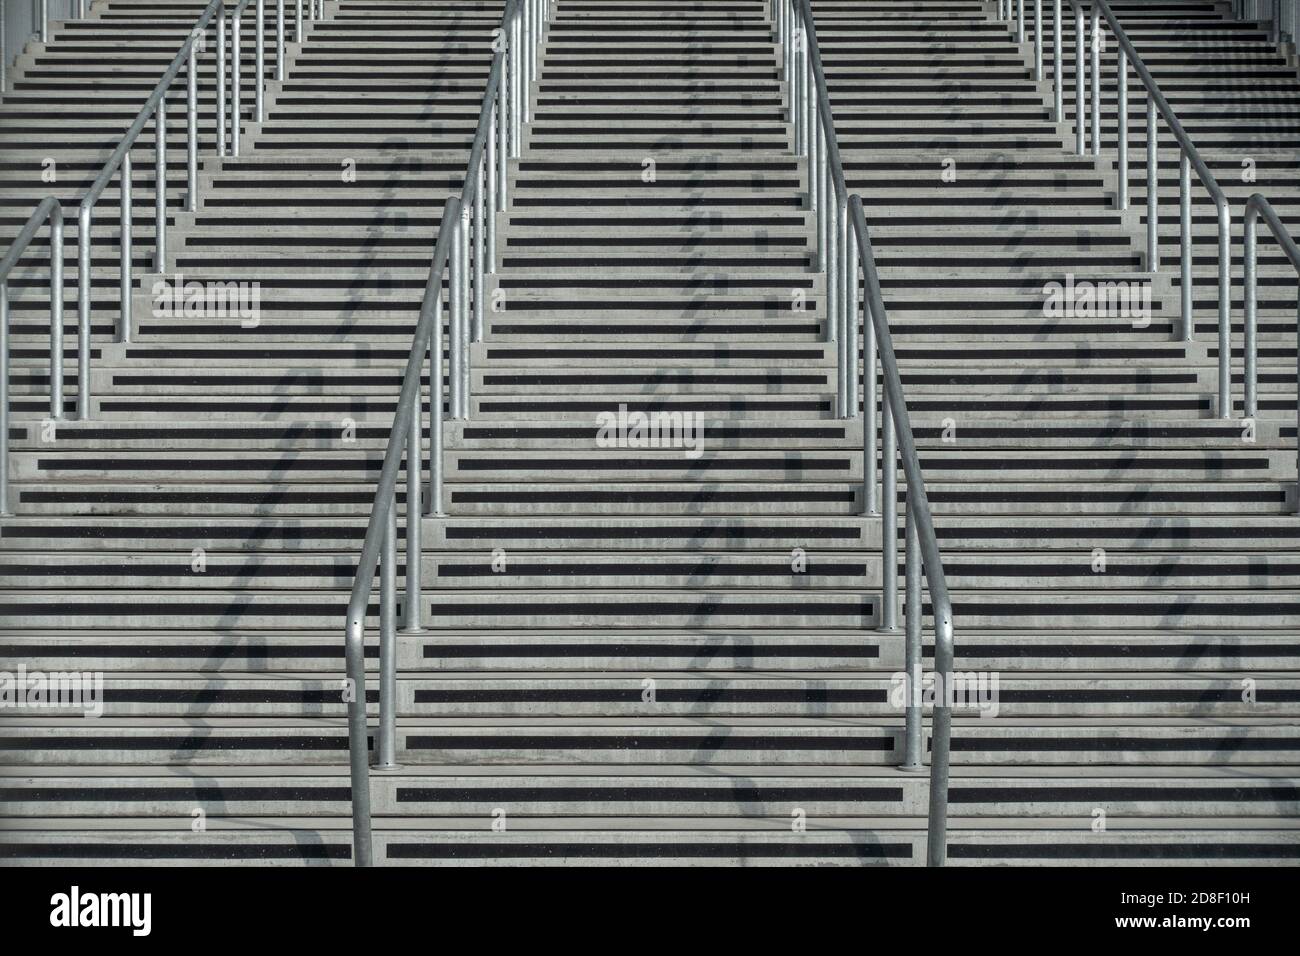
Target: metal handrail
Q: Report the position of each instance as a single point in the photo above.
(1189, 158)
(119, 162)
(497, 139)
(1257, 207)
(815, 138)
(843, 245)
(48, 209)
(920, 537)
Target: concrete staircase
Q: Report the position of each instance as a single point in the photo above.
(67, 107)
(1240, 102)
(1107, 541)
(635, 655)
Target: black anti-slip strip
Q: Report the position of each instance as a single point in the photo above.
(1197, 849)
(639, 850)
(176, 851)
(713, 793)
(1196, 744)
(695, 652)
(1035, 792)
(177, 743)
(632, 695)
(180, 791)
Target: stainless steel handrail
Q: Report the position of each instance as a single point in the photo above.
(920, 537)
(810, 114)
(466, 238)
(119, 163)
(1189, 160)
(43, 31)
(1257, 207)
(843, 244)
(48, 209)
(120, 160)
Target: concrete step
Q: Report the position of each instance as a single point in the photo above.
(847, 843)
(1192, 741)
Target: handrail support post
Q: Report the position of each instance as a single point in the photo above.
(279, 41)
(1121, 193)
(236, 81)
(160, 186)
(1185, 240)
(358, 741)
(1153, 188)
(221, 83)
(192, 130)
(912, 760)
(1038, 41)
(125, 280)
(386, 756)
(491, 183)
(411, 616)
(1058, 85)
(479, 227)
(888, 519)
(463, 307)
(1079, 83)
(870, 499)
(435, 505)
(1250, 407)
(940, 746)
(83, 311)
(1096, 81)
(259, 62)
(1225, 310)
(56, 314)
